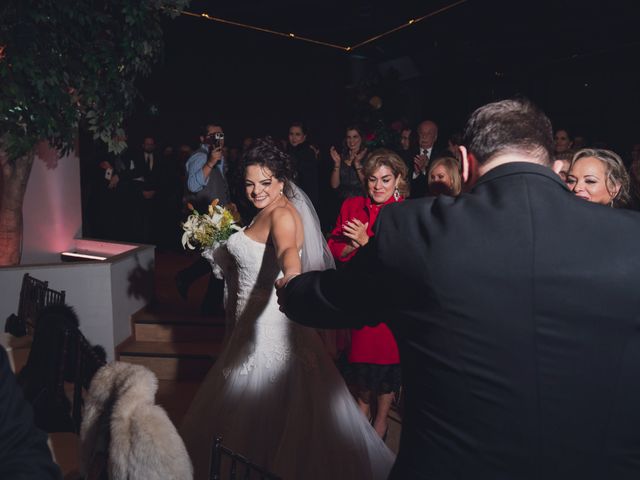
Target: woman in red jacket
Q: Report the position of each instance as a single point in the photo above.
(374, 360)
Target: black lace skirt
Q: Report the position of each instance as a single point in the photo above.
(377, 379)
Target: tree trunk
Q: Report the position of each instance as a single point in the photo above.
(13, 185)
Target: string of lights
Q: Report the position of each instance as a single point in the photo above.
(294, 36)
(411, 22)
(206, 16)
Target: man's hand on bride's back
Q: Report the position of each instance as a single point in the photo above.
(280, 285)
(282, 282)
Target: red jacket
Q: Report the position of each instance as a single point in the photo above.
(368, 344)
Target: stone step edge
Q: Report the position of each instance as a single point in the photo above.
(177, 323)
(189, 356)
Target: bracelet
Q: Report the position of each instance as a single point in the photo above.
(209, 165)
(358, 168)
(336, 168)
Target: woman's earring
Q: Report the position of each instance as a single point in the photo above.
(396, 194)
(281, 191)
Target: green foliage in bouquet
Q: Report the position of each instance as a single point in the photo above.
(205, 229)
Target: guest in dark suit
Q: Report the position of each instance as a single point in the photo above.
(140, 180)
(305, 161)
(516, 311)
(407, 149)
(24, 453)
(105, 201)
(149, 165)
(421, 156)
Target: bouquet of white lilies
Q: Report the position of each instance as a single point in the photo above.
(205, 229)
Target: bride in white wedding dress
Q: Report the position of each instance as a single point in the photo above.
(274, 393)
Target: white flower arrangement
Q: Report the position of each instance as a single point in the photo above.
(204, 229)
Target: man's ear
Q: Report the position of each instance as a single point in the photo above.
(469, 171)
(466, 167)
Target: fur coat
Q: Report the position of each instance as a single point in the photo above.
(121, 417)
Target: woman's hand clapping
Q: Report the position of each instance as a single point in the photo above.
(356, 231)
(335, 156)
(358, 157)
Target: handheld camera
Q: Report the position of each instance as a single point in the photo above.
(214, 140)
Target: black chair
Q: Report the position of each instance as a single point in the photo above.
(59, 354)
(34, 296)
(238, 465)
(88, 360)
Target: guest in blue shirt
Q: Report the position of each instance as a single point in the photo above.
(206, 169)
(206, 181)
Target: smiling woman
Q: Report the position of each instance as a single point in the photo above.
(599, 176)
(374, 362)
(274, 393)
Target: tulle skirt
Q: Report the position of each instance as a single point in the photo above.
(290, 413)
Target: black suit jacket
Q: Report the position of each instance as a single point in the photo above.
(24, 453)
(307, 171)
(516, 309)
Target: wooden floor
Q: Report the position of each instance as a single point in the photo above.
(179, 345)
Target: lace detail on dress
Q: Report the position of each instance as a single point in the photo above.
(274, 393)
(271, 353)
(262, 334)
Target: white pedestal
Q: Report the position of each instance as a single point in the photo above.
(104, 293)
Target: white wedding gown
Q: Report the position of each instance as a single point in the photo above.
(274, 394)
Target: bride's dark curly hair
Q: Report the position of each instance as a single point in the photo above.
(265, 153)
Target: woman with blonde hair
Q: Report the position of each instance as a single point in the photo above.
(374, 361)
(599, 176)
(444, 177)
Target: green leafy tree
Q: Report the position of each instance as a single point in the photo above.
(66, 64)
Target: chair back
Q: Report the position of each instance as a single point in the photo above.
(59, 354)
(87, 363)
(239, 467)
(34, 296)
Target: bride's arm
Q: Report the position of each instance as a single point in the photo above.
(283, 235)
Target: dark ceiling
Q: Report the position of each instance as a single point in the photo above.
(578, 60)
(489, 32)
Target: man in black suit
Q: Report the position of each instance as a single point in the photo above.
(419, 157)
(141, 179)
(23, 448)
(149, 183)
(516, 311)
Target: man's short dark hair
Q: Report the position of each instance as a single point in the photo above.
(509, 126)
(204, 129)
